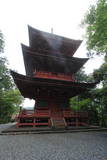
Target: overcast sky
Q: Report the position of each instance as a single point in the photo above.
(64, 16)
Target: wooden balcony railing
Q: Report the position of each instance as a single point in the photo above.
(68, 114)
(42, 113)
(50, 75)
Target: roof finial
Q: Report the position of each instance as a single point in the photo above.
(52, 30)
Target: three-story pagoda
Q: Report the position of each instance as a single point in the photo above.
(50, 80)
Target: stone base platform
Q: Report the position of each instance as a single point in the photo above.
(13, 130)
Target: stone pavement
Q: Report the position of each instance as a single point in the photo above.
(63, 146)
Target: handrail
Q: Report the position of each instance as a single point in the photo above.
(51, 122)
(65, 122)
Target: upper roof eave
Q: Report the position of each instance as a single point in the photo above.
(66, 45)
(32, 30)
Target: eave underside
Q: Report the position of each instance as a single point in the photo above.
(29, 87)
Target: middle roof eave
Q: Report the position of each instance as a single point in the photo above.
(52, 62)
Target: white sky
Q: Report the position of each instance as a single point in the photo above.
(64, 16)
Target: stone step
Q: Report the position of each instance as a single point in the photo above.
(58, 123)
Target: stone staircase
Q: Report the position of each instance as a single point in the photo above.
(58, 123)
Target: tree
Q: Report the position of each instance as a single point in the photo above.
(80, 76)
(95, 22)
(9, 104)
(10, 97)
(101, 74)
(5, 78)
(1, 43)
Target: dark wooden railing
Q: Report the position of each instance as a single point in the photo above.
(68, 114)
(42, 74)
(30, 117)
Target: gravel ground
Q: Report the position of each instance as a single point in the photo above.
(63, 146)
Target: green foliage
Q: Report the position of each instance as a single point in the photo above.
(1, 43)
(5, 78)
(100, 74)
(80, 76)
(10, 98)
(79, 105)
(95, 22)
(74, 103)
(9, 104)
(100, 99)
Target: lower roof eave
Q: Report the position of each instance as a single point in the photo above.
(28, 86)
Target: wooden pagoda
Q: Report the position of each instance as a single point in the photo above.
(50, 81)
